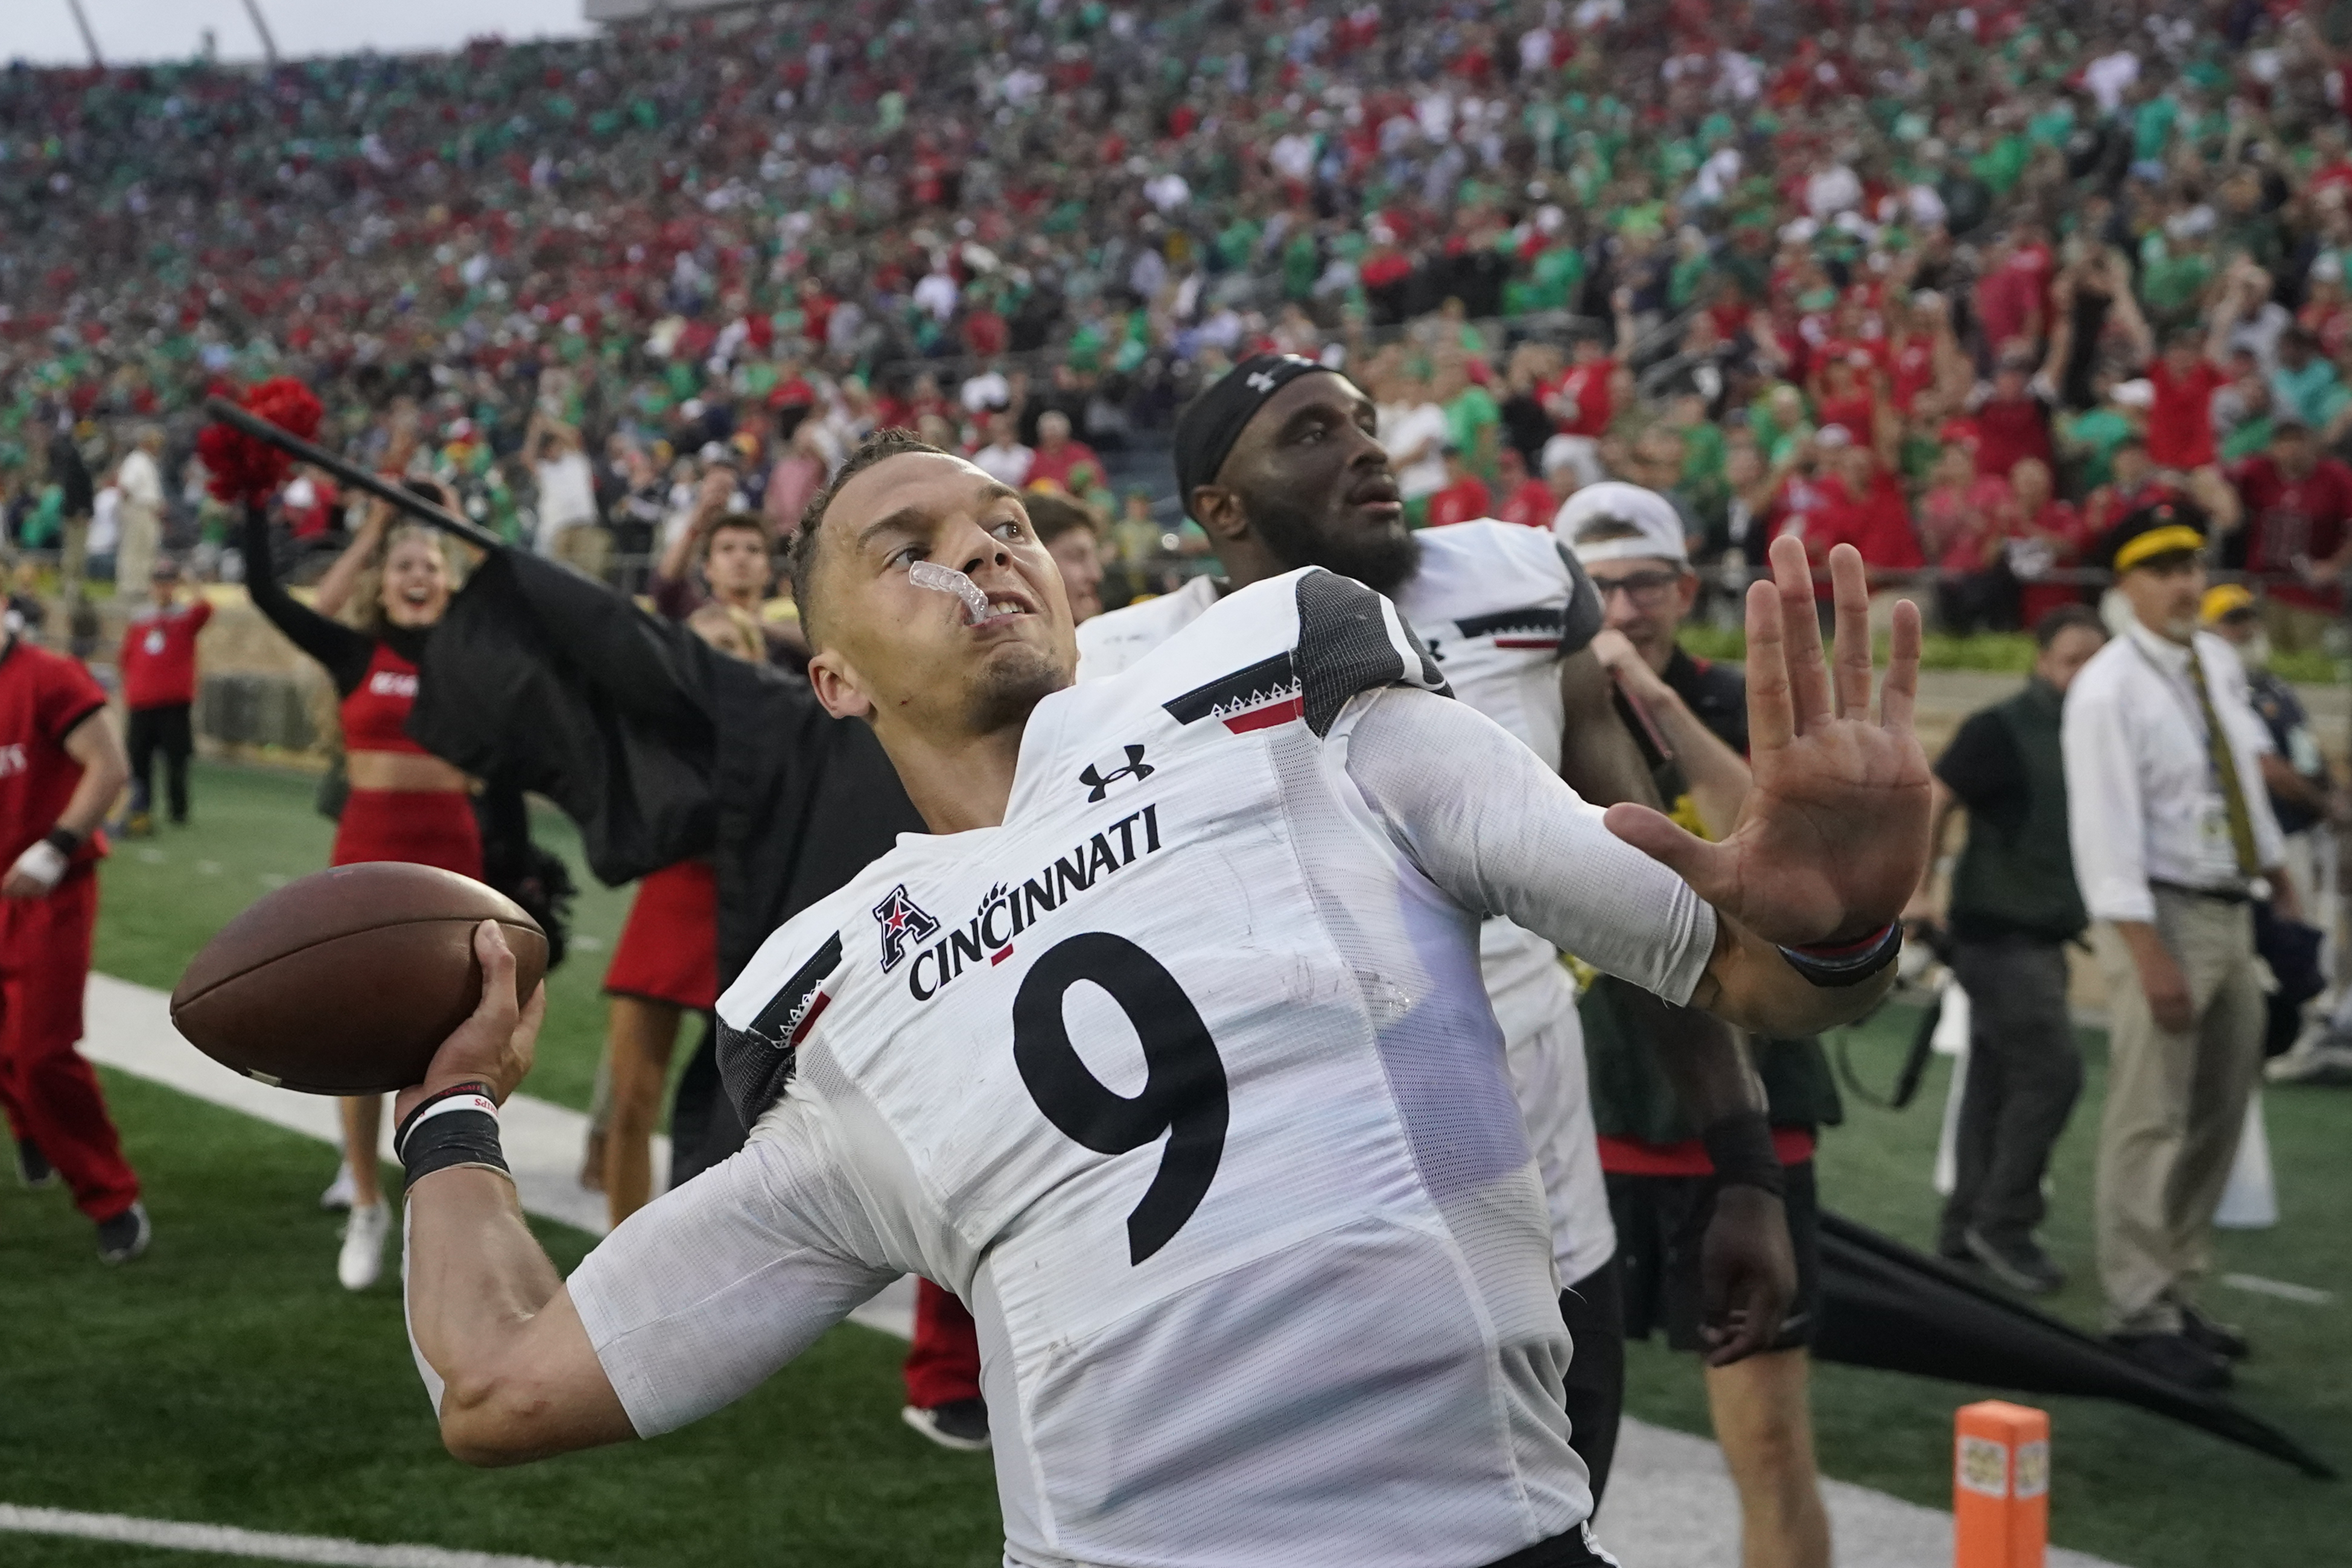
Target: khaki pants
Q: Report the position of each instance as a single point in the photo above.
(2176, 1103)
(586, 546)
(134, 556)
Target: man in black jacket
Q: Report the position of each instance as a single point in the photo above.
(2012, 906)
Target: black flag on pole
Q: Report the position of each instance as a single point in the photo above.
(1886, 1306)
(659, 746)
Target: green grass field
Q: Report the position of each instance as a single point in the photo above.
(226, 1378)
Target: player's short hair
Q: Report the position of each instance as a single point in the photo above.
(802, 559)
(1051, 515)
(2056, 623)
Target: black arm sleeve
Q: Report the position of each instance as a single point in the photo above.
(345, 651)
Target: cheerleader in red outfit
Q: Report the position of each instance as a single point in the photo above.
(404, 804)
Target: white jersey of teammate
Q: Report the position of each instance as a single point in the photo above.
(1493, 601)
(1184, 1080)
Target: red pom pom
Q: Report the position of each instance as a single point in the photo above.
(244, 469)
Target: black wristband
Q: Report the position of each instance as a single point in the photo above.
(64, 841)
(1849, 965)
(1739, 1147)
(456, 1127)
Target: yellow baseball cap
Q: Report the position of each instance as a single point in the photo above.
(2226, 599)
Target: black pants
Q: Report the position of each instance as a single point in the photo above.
(1594, 1311)
(164, 729)
(2024, 1073)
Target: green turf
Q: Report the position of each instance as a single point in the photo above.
(226, 1378)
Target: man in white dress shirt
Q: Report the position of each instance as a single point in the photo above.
(2173, 841)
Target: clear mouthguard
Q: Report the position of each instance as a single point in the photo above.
(946, 579)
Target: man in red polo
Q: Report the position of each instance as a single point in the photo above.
(2297, 501)
(159, 686)
(60, 769)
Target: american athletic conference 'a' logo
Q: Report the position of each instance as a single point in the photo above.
(902, 921)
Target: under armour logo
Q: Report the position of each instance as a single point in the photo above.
(1100, 782)
(902, 920)
(1259, 381)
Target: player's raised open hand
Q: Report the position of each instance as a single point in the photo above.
(494, 1046)
(1834, 835)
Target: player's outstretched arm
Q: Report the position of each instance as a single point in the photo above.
(501, 1347)
(1832, 837)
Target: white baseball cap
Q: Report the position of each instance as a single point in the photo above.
(1659, 525)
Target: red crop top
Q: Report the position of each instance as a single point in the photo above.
(375, 714)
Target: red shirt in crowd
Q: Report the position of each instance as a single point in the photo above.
(2008, 431)
(1054, 464)
(1877, 523)
(1579, 400)
(1911, 369)
(2291, 520)
(1959, 525)
(2180, 424)
(2052, 538)
(1465, 501)
(43, 697)
(1532, 504)
(2008, 301)
(159, 653)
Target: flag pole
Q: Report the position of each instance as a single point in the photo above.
(388, 491)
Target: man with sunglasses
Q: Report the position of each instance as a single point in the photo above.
(1663, 1187)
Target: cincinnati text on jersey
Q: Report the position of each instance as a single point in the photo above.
(1007, 910)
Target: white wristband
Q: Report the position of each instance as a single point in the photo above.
(44, 862)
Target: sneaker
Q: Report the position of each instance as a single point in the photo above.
(139, 825)
(339, 1191)
(125, 1236)
(2175, 1358)
(33, 1167)
(361, 1260)
(2020, 1265)
(2223, 1340)
(960, 1424)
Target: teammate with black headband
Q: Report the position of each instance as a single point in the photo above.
(1278, 464)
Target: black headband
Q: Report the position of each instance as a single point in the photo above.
(1213, 422)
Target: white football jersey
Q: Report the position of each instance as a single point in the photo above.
(1184, 1080)
(1496, 605)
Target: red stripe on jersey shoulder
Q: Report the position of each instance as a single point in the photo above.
(1268, 716)
(817, 1004)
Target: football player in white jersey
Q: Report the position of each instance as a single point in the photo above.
(1279, 463)
(1168, 1052)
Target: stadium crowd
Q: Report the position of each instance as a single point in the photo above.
(1959, 286)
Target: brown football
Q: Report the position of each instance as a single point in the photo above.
(346, 982)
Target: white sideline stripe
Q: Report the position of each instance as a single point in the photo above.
(1671, 1503)
(129, 1028)
(230, 1541)
(2255, 1284)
